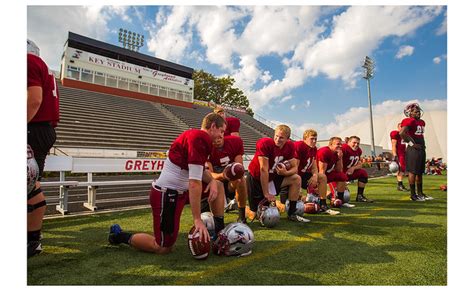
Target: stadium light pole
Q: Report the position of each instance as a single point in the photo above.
(369, 74)
(130, 40)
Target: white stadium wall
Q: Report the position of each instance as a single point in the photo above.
(435, 132)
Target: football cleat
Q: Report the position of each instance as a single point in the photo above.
(114, 232)
(231, 205)
(417, 198)
(362, 198)
(347, 205)
(402, 188)
(298, 218)
(426, 197)
(34, 248)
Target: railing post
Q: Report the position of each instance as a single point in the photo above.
(63, 195)
(91, 192)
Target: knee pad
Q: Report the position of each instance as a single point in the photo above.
(34, 192)
(364, 180)
(33, 207)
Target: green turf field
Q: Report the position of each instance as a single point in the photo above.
(391, 242)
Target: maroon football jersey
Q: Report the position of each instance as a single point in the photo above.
(416, 129)
(350, 157)
(221, 157)
(233, 125)
(329, 157)
(38, 74)
(266, 147)
(191, 147)
(306, 155)
(400, 146)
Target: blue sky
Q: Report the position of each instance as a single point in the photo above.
(299, 65)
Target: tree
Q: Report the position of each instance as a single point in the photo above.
(219, 90)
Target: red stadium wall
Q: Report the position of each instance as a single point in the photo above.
(123, 93)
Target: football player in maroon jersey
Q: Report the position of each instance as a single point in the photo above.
(225, 151)
(413, 128)
(233, 123)
(398, 152)
(43, 116)
(179, 183)
(306, 159)
(330, 163)
(352, 166)
(266, 179)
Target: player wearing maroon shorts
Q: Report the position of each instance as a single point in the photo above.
(306, 159)
(413, 128)
(179, 183)
(225, 151)
(398, 152)
(42, 118)
(330, 163)
(266, 179)
(352, 166)
(233, 123)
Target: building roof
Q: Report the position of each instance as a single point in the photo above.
(108, 50)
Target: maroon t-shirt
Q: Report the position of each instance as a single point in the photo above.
(400, 146)
(416, 129)
(329, 157)
(266, 147)
(350, 157)
(307, 156)
(191, 147)
(221, 157)
(38, 74)
(233, 125)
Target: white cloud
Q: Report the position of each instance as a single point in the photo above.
(170, 38)
(405, 50)
(293, 107)
(266, 77)
(358, 114)
(286, 98)
(355, 33)
(307, 103)
(48, 26)
(443, 28)
(438, 59)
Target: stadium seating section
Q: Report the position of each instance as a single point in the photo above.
(102, 121)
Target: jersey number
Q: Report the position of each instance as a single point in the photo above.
(419, 130)
(354, 161)
(309, 163)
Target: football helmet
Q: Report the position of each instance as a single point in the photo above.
(312, 198)
(299, 207)
(32, 48)
(236, 239)
(32, 170)
(408, 109)
(208, 220)
(347, 196)
(268, 215)
(393, 167)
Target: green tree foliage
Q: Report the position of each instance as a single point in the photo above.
(219, 90)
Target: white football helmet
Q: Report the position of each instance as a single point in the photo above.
(32, 170)
(312, 198)
(299, 207)
(236, 239)
(347, 196)
(393, 167)
(208, 220)
(32, 48)
(269, 216)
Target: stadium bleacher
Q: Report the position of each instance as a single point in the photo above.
(96, 120)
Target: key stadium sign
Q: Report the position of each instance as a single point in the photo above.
(98, 60)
